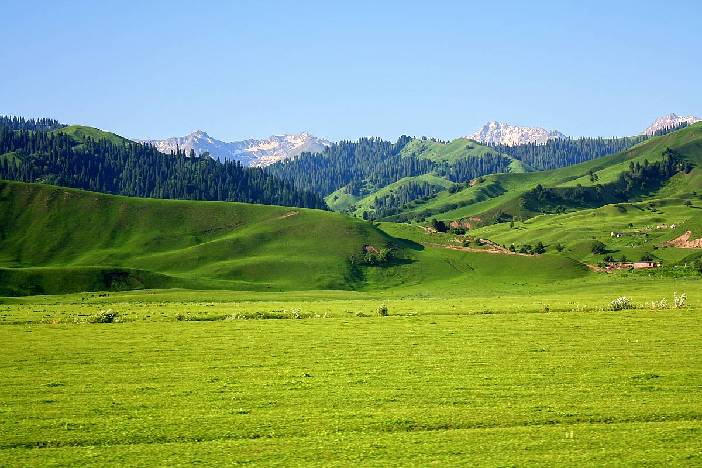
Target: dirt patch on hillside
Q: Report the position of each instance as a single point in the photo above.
(492, 249)
(685, 241)
(289, 214)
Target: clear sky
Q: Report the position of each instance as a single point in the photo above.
(240, 69)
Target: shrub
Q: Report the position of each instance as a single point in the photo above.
(622, 303)
(295, 314)
(662, 304)
(439, 226)
(382, 310)
(104, 316)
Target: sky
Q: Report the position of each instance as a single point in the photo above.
(346, 69)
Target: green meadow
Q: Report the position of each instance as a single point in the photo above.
(319, 378)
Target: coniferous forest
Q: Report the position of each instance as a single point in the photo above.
(33, 155)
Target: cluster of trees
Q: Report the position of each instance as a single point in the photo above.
(138, 170)
(639, 179)
(401, 198)
(20, 123)
(563, 152)
(537, 249)
(471, 168)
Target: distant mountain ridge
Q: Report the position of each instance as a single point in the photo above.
(501, 133)
(669, 121)
(251, 152)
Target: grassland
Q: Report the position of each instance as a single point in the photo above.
(191, 377)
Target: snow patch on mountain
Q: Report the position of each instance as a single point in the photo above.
(506, 134)
(252, 152)
(669, 121)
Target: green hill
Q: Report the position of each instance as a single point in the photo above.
(446, 156)
(504, 192)
(450, 152)
(48, 231)
(57, 240)
(80, 133)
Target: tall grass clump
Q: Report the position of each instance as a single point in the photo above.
(622, 303)
(104, 316)
(679, 301)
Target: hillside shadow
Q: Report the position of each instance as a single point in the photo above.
(408, 244)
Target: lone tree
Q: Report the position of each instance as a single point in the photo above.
(598, 248)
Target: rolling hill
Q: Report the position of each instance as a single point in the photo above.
(505, 193)
(57, 239)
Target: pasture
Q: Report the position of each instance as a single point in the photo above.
(318, 378)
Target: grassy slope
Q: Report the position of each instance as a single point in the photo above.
(340, 200)
(460, 148)
(200, 244)
(56, 240)
(81, 133)
(366, 203)
(505, 189)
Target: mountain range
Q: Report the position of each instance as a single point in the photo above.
(669, 121)
(251, 152)
(501, 133)
(264, 152)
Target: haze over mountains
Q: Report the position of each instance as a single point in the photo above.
(251, 152)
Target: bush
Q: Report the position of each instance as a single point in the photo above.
(622, 303)
(439, 226)
(382, 310)
(104, 316)
(295, 314)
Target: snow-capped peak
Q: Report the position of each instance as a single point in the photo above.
(251, 152)
(506, 134)
(669, 121)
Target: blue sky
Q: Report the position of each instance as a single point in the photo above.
(347, 69)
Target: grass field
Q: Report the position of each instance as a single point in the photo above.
(192, 377)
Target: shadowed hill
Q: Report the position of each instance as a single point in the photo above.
(156, 243)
